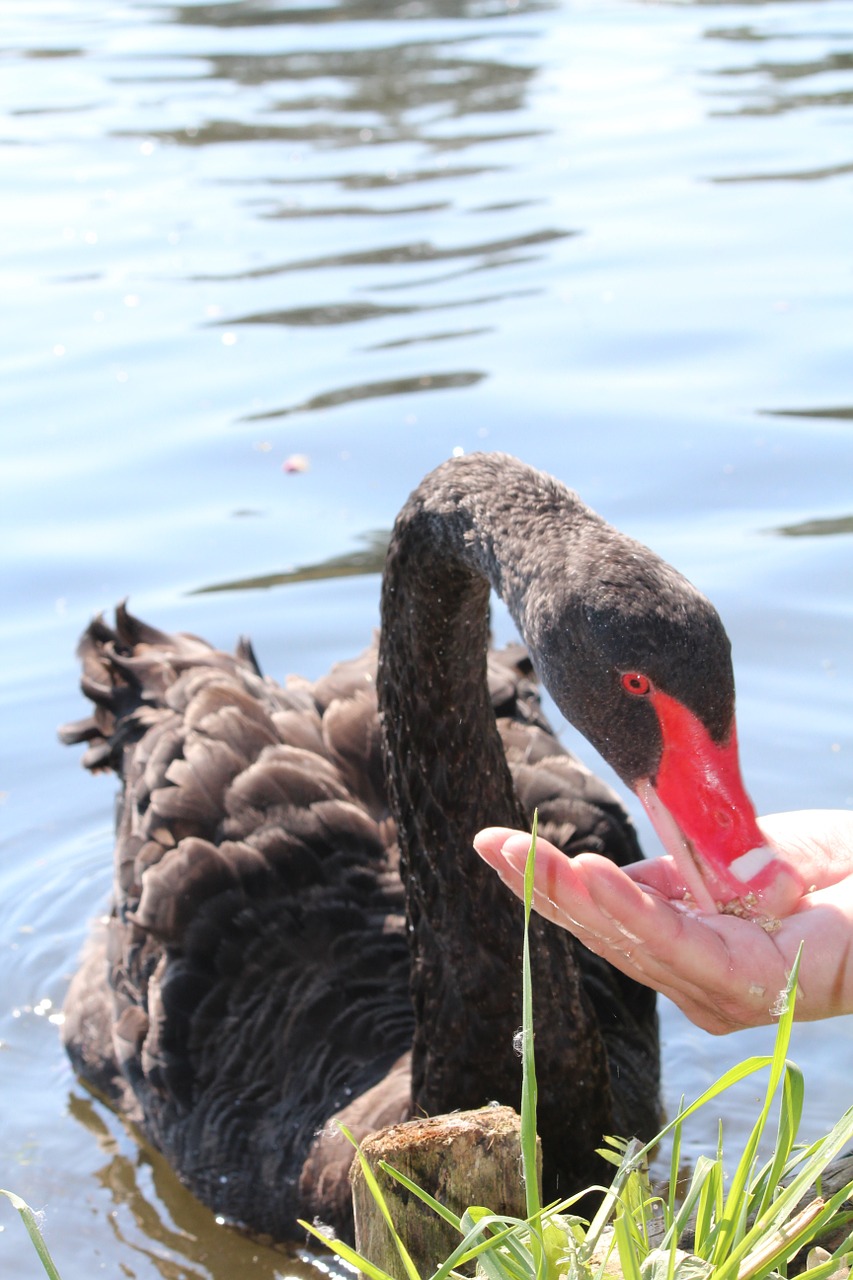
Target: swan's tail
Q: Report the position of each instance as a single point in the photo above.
(127, 672)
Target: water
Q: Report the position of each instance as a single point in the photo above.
(613, 238)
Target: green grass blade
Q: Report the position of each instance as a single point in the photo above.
(637, 1199)
(733, 1076)
(528, 1069)
(708, 1206)
(631, 1156)
(31, 1223)
(730, 1233)
(528, 1086)
(785, 1204)
(790, 1114)
(502, 1255)
(776, 1248)
(822, 1270)
(626, 1246)
(381, 1204)
(348, 1254)
(430, 1201)
(495, 1266)
(674, 1166)
(703, 1169)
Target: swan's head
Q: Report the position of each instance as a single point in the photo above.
(640, 662)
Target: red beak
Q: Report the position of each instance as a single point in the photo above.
(700, 809)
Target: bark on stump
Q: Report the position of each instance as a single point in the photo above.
(467, 1158)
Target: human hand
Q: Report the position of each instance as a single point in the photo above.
(724, 972)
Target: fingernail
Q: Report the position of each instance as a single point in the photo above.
(515, 850)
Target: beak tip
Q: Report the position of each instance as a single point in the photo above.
(757, 884)
(778, 888)
(761, 885)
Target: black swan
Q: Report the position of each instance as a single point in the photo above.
(300, 929)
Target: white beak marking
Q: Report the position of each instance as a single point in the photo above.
(750, 863)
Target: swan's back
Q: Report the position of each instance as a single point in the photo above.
(251, 980)
(252, 976)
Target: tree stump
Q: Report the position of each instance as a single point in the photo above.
(467, 1158)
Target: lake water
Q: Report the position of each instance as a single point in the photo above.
(613, 238)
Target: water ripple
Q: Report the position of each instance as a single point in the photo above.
(372, 391)
(413, 252)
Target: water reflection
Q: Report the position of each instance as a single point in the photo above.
(327, 133)
(395, 81)
(239, 14)
(392, 177)
(841, 412)
(817, 528)
(156, 1218)
(347, 170)
(334, 313)
(293, 210)
(386, 103)
(489, 252)
(447, 335)
(778, 81)
(351, 564)
(398, 91)
(372, 391)
(792, 175)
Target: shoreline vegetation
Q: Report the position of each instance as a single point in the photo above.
(747, 1220)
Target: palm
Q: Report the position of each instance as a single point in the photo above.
(724, 972)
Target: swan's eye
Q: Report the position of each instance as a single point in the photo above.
(636, 683)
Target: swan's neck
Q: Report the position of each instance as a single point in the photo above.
(464, 529)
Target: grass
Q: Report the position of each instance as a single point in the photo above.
(741, 1223)
(744, 1223)
(30, 1219)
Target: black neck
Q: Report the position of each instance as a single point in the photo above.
(467, 527)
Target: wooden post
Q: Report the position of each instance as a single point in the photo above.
(467, 1158)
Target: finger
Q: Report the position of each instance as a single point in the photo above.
(723, 972)
(559, 894)
(601, 906)
(688, 958)
(506, 852)
(729, 972)
(660, 876)
(490, 841)
(818, 842)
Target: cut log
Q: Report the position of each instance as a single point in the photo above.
(467, 1158)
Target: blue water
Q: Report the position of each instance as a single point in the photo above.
(613, 238)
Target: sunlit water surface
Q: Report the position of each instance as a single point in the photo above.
(614, 238)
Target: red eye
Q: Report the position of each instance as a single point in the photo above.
(636, 683)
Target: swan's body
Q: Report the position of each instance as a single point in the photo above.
(257, 976)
